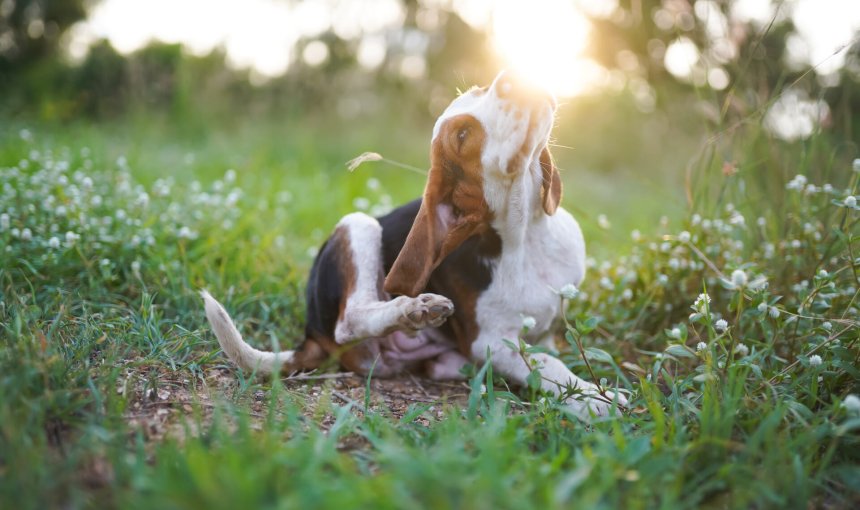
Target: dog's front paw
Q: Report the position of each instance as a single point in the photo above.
(591, 403)
(426, 310)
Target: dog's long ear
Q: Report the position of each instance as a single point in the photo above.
(439, 228)
(550, 184)
(421, 252)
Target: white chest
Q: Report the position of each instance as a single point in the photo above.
(527, 276)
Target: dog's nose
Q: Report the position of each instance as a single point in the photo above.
(515, 87)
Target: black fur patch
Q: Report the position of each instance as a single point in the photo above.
(469, 266)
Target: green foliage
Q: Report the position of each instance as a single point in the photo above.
(710, 423)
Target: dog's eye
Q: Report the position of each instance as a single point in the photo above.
(461, 136)
(456, 211)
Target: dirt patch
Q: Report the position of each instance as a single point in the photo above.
(168, 404)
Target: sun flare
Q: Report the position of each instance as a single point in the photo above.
(544, 40)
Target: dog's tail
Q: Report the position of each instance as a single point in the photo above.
(239, 351)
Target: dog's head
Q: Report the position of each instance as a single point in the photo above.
(488, 142)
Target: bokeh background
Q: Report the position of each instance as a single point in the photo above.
(285, 92)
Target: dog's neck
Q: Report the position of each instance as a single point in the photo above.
(518, 213)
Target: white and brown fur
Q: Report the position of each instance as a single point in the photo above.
(485, 246)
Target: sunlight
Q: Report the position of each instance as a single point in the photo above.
(544, 40)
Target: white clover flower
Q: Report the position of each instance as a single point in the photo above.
(96, 200)
(738, 279)
(701, 346)
(742, 349)
(71, 237)
(827, 326)
(701, 301)
(529, 322)
(762, 307)
(636, 236)
(675, 333)
(4, 222)
(361, 203)
(850, 201)
(54, 242)
(852, 402)
(674, 264)
(603, 222)
(696, 219)
(569, 291)
(815, 360)
(665, 247)
(684, 237)
(606, 283)
(26, 235)
(627, 294)
(662, 279)
(721, 325)
(230, 175)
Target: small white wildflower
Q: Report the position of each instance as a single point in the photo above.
(739, 278)
(701, 346)
(569, 291)
(762, 307)
(850, 201)
(823, 273)
(742, 349)
(684, 237)
(662, 279)
(675, 333)
(26, 235)
(71, 237)
(665, 247)
(721, 325)
(815, 360)
(529, 322)
(674, 264)
(230, 175)
(603, 222)
(135, 266)
(701, 301)
(104, 262)
(696, 219)
(54, 242)
(636, 236)
(96, 201)
(361, 203)
(606, 283)
(627, 294)
(856, 165)
(852, 402)
(185, 233)
(827, 326)
(4, 222)
(25, 135)
(761, 222)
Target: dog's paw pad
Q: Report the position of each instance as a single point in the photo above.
(427, 310)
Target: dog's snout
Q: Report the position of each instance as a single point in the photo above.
(514, 87)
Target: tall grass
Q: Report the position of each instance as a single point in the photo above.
(733, 328)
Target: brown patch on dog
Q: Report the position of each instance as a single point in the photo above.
(345, 266)
(453, 208)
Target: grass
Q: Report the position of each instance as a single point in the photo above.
(114, 393)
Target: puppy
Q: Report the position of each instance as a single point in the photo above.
(447, 279)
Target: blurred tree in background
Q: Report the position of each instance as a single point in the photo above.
(730, 69)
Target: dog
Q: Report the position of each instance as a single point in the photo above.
(447, 279)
